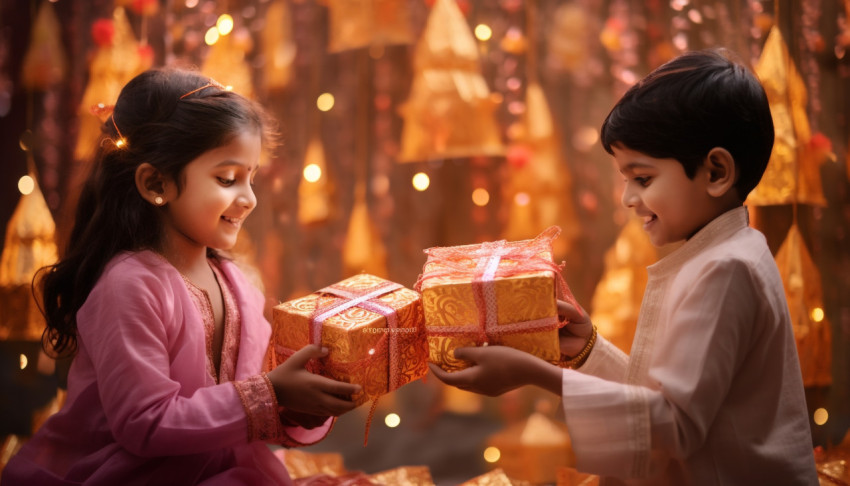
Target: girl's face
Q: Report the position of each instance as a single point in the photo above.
(673, 207)
(216, 197)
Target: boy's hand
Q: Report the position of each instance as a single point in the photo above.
(499, 369)
(299, 390)
(575, 333)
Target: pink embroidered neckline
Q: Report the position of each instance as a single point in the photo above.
(232, 325)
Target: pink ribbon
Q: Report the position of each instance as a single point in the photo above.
(364, 300)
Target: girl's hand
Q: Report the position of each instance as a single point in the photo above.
(575, 333)
(499, 369)
(299, 390)
(305, 420)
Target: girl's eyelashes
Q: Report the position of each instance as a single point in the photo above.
(225, 181)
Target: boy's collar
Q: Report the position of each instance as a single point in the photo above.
(720, 228)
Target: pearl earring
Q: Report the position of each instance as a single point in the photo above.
(158, 201)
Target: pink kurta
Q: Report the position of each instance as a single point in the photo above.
(712, 393)
(143, 404)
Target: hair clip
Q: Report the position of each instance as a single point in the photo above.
(121, 142)
(101, 110)
(104, 112)
(212, 84)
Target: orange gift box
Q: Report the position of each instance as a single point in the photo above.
(501, 293)
(372, 328)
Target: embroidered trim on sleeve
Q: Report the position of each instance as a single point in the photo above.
(261, 408)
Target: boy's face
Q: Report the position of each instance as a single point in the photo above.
(672, 206)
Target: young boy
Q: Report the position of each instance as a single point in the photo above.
(712, 391)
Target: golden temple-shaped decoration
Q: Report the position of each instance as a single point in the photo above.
(450, 112)
(793, 173)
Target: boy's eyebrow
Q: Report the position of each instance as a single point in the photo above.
(635, 165)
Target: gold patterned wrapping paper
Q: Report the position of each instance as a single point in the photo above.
(501, 293)
(496, 477)
(569, 476)
(301, 464)
(364, 347)
(406, 475)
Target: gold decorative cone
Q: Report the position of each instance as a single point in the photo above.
(110, 69)
(314, 198)
(533, 450)
(225, 62)
(29, 246)
(805, 302)
(793, 174)
(406, 475)
(567, 39)
(278, 46)
(44, 63)
(617, 298)
(363, 23)
(450, 112)
(496, 477)
(363, 250)
(539, 191)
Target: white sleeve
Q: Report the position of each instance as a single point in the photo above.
(606, 361)
(616, 428)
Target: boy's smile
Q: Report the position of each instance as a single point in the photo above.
(672, 206)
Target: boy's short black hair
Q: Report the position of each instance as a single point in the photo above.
(691, 104)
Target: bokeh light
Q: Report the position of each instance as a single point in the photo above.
(820, 416)
(421, 181)
(224, 24)
(392, 420)
(26, 185)
(312, 173)
(483, 32)
(480, 196)
(522, 199)
(212, 35)
(325, 101)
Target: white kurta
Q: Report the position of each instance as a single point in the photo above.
(712, 392)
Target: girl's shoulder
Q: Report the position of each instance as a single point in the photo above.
(131, 267)
(242, 279)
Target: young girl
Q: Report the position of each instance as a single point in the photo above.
(711, 393)
(168, 335)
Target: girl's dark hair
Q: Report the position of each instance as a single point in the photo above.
(691, 104)
(157, 119)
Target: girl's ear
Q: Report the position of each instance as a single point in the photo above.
(151, 184)
(721, 171)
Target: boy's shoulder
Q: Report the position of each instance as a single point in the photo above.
(744, 251)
